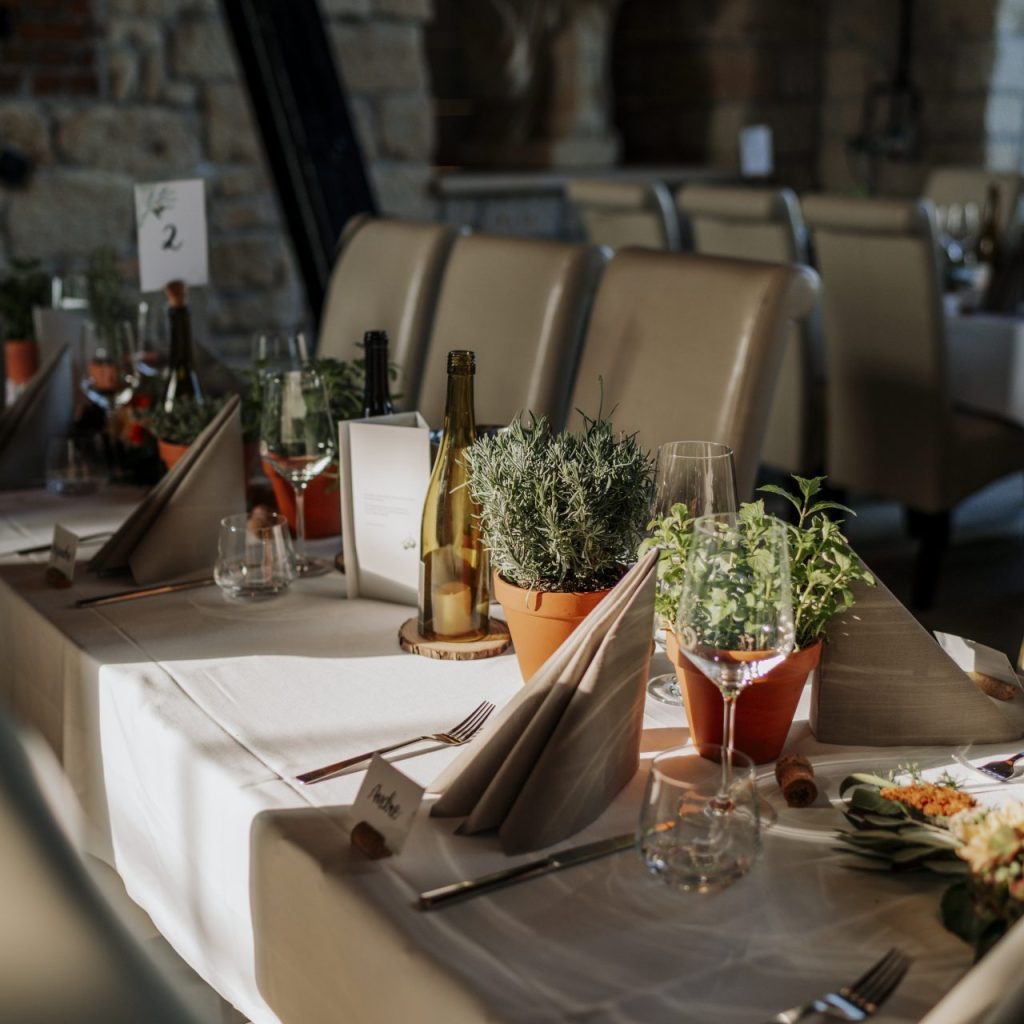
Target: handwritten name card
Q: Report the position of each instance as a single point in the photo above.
(388, 802)
(62, 556)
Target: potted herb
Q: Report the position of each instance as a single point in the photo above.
(823, 568)
(176, 430)
(22, 288)
(561, 515)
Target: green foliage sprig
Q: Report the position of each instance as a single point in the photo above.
(823, 567)
(23, 287)
(108, 306)
(186, 420)
(560, 512)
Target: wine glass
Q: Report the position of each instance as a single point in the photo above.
(279, 351)
(735, 620)
(299, 441)
(701, 476)
(108, 369)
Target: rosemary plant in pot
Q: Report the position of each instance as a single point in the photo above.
(823, 568)
(561, 515)
(22, 288)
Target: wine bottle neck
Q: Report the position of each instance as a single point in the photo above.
(181, 336)
(377, 394)
(459, 419)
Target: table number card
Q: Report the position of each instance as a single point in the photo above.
(385, 470)
(62, 554)
(387, 801)
(756, 151)
(170, 217)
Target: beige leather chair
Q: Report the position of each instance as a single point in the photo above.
(689, 347)
(621, 213)
(386, 276)
(520, 304)
(63, 955)
(892, 429)
(765, 224)
(946, 185)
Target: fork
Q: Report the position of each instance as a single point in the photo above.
(1001, 769)
(857, 1001)
(453, 737)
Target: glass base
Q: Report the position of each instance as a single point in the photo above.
(666, 689)
(307, 567)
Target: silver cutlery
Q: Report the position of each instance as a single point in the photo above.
(446, 894)
(38, 549)
(1002, 769)
(131, 595)
(858, 1001)
(453, 737)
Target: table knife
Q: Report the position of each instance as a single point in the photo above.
(38, 549)
(131, 595)
(456, 891)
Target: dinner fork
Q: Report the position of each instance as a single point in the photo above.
(1001, 769)
(453, 737)
(858, 1001)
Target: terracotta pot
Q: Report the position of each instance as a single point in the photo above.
(764, 711)
(21, 360)
(540, 621)
(170, 452)
(323, 502)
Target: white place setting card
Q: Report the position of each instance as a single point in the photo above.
(170, 217)
(63, 552)
(385, 470)
(388, 801)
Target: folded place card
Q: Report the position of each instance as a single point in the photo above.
(385, 469)
(569, 740)
(42, 411)
(173, 531)
(885, 682)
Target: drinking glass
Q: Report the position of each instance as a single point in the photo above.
(75, 464)
(279, 351)
(255, 559)
(701, 476)
(108, 370)
(735, 619)
(152, 343)
(299, 441)
(682, 837)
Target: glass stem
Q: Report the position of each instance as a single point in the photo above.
(728, 734)
(300, 521)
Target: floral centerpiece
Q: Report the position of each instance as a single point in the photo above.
(823, 568)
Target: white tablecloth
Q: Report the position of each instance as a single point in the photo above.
(182, 720)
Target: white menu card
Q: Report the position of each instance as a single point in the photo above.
(170, 217)
(385, 469)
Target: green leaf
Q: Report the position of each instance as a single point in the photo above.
(863, 778)
(782, 493)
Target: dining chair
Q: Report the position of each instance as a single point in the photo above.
(893, 431)
(621, 213)
(686, 346)
(64, 956)
(766, 224)
(520, 305)
(386, 276)
(947, 185)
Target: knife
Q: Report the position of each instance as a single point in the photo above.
(441, 897)
(130, 595)
(38, 549)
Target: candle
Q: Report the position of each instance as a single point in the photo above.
(452, 608)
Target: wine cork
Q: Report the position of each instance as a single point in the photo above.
(260, 517)
(55, 578)
(176, 293)
(994, 687)
(795, 776)
(367, 840)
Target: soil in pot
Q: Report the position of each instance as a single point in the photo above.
(540, 621)
(323, 502)
(764, 711)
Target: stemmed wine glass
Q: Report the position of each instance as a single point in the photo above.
(701, 476)
(735, 620)
(299, 441)
(108, 370)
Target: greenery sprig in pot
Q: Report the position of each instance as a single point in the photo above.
(23, 287)
(561, 515)
(824, 570)
(176, 430)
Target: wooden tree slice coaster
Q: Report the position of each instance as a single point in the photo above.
(414, 642)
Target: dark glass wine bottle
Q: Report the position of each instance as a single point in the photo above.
(376, 394)
(182, 380)
(454, 585)
(988, 236)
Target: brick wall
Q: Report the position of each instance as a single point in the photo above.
(150, 88)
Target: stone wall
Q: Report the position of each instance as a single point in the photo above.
(150, 88)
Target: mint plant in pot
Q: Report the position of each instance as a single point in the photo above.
(823, 570)
(22, 288)
(561, 515)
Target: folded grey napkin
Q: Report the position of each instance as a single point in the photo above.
(42, 410)
(174, 529)
(884, 681)
(569, 740)
(56, 328)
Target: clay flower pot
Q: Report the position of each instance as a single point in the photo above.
(764, 711)
(170, 452)
(323, 502)
(541, 621)
(21, 360)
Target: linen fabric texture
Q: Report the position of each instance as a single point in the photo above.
(568, 742)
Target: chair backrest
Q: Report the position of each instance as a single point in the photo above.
(766, 224)
(621, 213)
(687, 347)
(520, 304)
(887, 402)
(946, 185)
(63, 954)
(386, 276)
